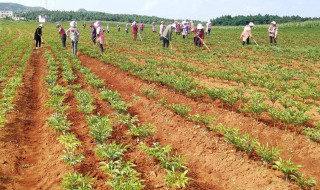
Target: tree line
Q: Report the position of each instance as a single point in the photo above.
(229, 20)
(60, 16)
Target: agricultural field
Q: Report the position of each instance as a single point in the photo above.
(140, 116)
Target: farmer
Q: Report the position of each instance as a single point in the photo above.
(187, 28)
(208, 27)
(38, 36)
(63, 35)
(74, 36)
(246, 34)
(118, 26)
(108, 28)
(162, 27)
(184, 29)
(134, 30)
(199, 35)
(84, 25)
(141, 27)
(153, 27)
(93, 33)
(100, 35)
(167, 34)
(273, 32)
(127, 28)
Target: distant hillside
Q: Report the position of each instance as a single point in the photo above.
(19, 8)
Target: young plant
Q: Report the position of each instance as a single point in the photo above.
(71, 144)
(85, 100)
(72, 181)
(204, 119)
(59, 122)
(287, 167)
(111, 151)
(313, 133)
(180, 109)
(267, 154)
(100, 128)
(303, 182)
(142, 130)
(150, 92)
(177, 179)
(127, 120)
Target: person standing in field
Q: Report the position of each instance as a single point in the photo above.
(187, 29)
(273, 32)
(38, 36)
(167, 34)
(246, 34)
(100, 35)
(118, 26)
(74, 36)
(153, 27)
(141, 27)
(134, 30)
(162, 27)
(184, 29)
(198, 35)
(127, 28)
(84, 25)
(208, 27)
(63, 35)
(108, 28)
(93, 33)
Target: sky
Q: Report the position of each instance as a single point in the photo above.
(185, 9)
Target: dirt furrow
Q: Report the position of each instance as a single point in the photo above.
(149, 168)
(211, 161)
(29, 148)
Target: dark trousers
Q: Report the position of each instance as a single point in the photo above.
(165, 42)
(273, 40)
(197, 41)
(101, 47)
(74, 45)
(38, 42)
(209, 31)
(94, 40)
(247, 41)
(63, 40)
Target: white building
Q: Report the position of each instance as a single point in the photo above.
(44, 18)
(4, 14)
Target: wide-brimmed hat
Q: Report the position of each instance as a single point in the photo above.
(162, 22)
(251, 24)
(209, 21)
(273, 22)
(58, 25)
(41, 25)
(199, 27)
(73, 23)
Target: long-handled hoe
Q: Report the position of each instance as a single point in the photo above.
(140, 36)
(255, 41)
(204, 43)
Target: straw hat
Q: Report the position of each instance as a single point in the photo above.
(73, 23)
(199, 27)
(273, 22)
(251, 24)
(41, 25)
(58, 25)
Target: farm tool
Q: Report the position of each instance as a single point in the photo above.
(140, 37)
(255, 41)
(204, 43)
